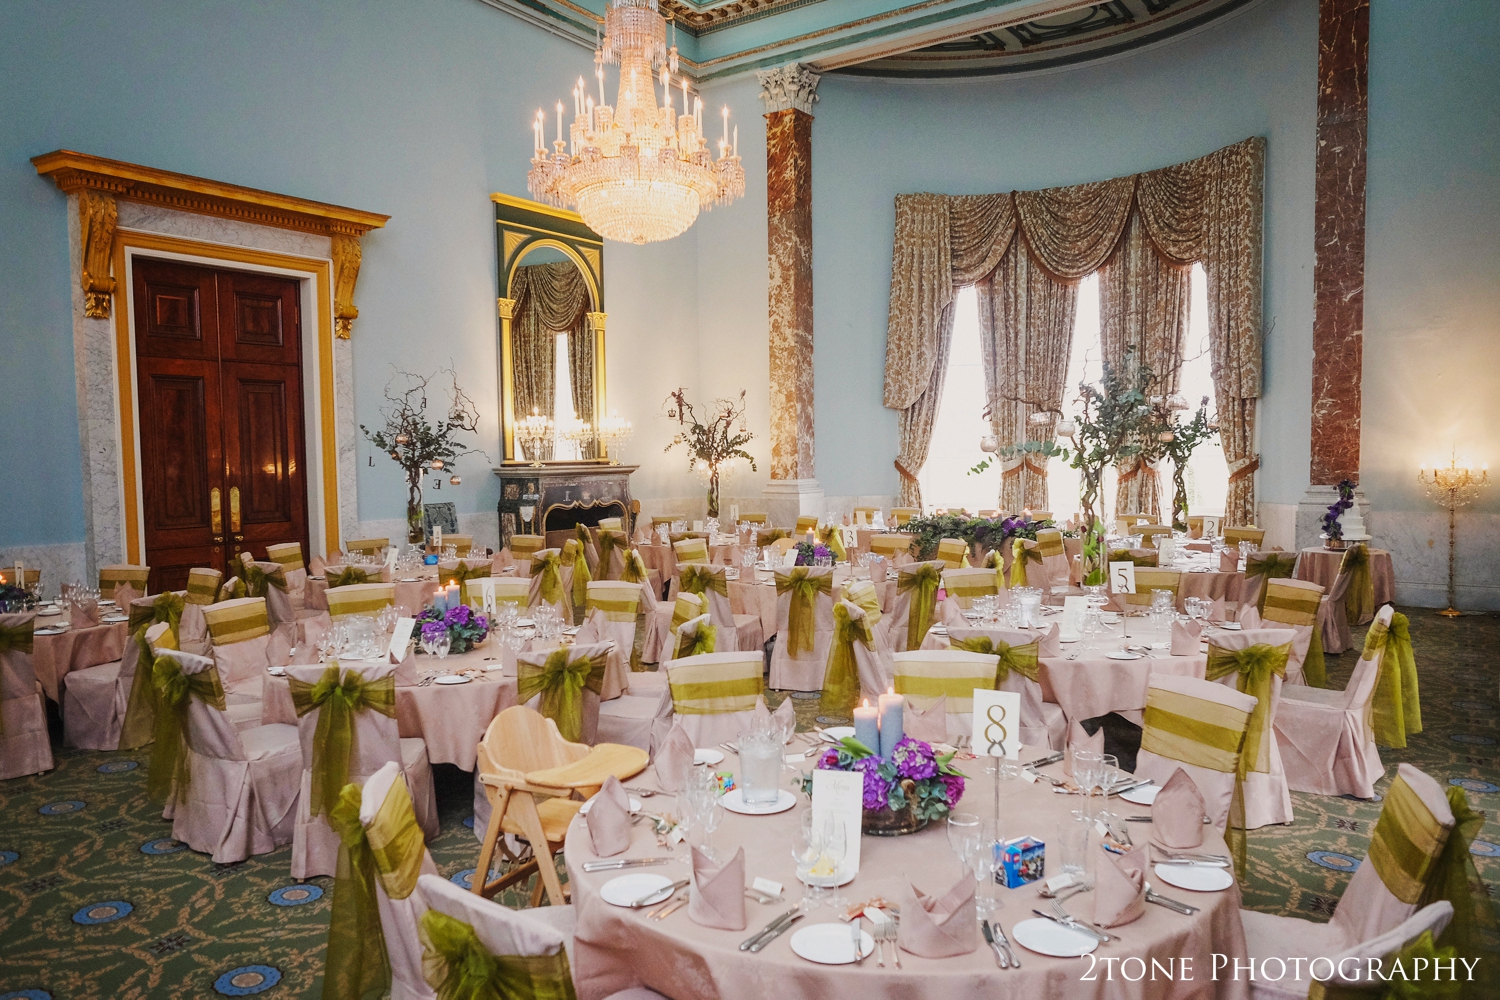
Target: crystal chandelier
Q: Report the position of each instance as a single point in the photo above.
(638, 171)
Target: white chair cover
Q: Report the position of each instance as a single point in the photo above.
(612, 611)
(240, 637)
(94, 699)
(564, 603)
(709, 728)
(1326, 743)
(577, 651)
(1216, 787)
(1275, 616)
(315, 847)
(876, 667)
(1042, 723)
(661, 642)
(242, 791)
(398, 917)
(1267, 799)
(803, 671)
(1333, 619)
(921, 673)
(24, 745)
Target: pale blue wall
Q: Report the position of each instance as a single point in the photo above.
(415, 109)
(1251, 74)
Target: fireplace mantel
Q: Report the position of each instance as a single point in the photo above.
(561, 495)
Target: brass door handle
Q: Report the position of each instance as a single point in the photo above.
(218, 539)
(234, 508)
(239, 538)
(216, 513)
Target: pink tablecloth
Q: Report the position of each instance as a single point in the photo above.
(411, 595)
(1210, 584)
(55, 656)
(760, 599)
(1321, 566)
(615, 949)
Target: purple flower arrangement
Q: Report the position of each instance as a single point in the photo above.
(1332, 528)
(936, 784)
(807, 553)
(466, 628)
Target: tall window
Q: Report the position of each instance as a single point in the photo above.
(1207, 474)
(562, 400)
(960, 422)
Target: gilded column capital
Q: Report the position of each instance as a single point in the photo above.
(787, 87)
(507, 308)
(97, 217)
(347, 256)
(596, 321)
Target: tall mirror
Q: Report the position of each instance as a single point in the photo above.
(551, 333)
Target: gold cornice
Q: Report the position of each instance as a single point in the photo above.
(535, 206)
(72, 171)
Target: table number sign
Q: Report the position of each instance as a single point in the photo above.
(486, 593)
(997, 723)
(400, 639)
(734, 513)
(841, 795)
(850, 536)
(1122, 577)
(1210, 527)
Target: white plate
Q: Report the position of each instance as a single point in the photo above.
(453, 679)
(830, 944)
(276, 671)
(1230, 626)
(1142, 796)
(108, 604)
(113, 619)
(1046, 937)
(1069, 638)
(845, 876)
(835, 733)
(635, 806)
(54, 630)
(49, 611)
(1121, 654)
(1110, 617)
(525, 623)
(407, 579)
(1198, 878)
(709, 757)
(734, 801)
(626, 889)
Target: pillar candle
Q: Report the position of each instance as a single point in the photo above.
(892, 706)
(452, 599)
(867, 726)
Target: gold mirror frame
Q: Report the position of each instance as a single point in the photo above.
(522, 226)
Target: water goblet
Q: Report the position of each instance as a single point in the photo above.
(807, 848)
(835, 848)
(963, 833)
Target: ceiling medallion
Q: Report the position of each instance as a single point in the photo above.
(637, 171)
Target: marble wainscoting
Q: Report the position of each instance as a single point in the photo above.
(1280, 522)
(1418, 543)
(66, 563)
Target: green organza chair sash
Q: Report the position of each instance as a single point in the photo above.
(696, 578)
(609, 541)
(1359, 599)
(1024, 659)
(1407, 842)
(572, 555)
(802, 607)
(764, 538)
(561, 685)
(169, 771)
(256, 580)
(1020, 555)
(19, 638)
(922, 583)
(1269, 566)
(703, 639)
(339, 699)
(1417, 980)
(548, 568)
(634, 571)
(459, 967)
(357, 962)
(1254, 667)
(346, 577)
(841, 678)
(1396, 709)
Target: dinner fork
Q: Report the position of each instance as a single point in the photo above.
(889, 929)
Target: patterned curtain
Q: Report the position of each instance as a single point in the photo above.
(1206, 210)
(550, 299)
(1143, 304)
(581, 375)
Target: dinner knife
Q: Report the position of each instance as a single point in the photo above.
(1075, 925)
(1172, 904)
(776, 931)
(604, 866)
(1000, 958)
(1015, 963)
(745, 944)
(656, 894)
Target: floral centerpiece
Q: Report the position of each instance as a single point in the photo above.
(807, 555)
(987, 533)
(14, 597)
(1333, 528)
(902, 794)
(465, 627)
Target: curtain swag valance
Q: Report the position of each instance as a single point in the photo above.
(1025, 251)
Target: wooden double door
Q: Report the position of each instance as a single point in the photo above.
(219, 376)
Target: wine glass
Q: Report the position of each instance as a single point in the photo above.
(807, 847)
(442, 645)
(1108, 776)
(984, 861)
(835, 847)
(710, 815)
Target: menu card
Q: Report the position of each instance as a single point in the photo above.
(1074, 608)
(841, 794)
(997, 724)
(400, 639)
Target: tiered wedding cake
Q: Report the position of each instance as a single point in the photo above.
(1354, 525)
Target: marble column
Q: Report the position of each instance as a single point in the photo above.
(1339, 264)
(789, 93)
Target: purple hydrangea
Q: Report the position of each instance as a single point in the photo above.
(458, 615)
(821, 551)
(955, 785)
(913, 759)
(482, 622)
(875, 789)
(433, 631)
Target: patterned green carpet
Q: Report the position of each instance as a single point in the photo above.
(96, 900)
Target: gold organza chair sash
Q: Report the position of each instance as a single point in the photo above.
(833, 537)
(609, 543)
(289, 555)
(806, 523)
(695, 637)
(966, 584)
(1024, 659)
(203, 585)
(1139, 557)
(18, 638)
(921, 582)
(685, 608)
(1359, 599)
(698, 578)
(111, 577)
(1022, 551)
(1194, 731)
(1147, 580)
(715, 688)
(360, 599)
(841, 676)
(169, 771)
(889, 545)
(456, 964)
(764, 538)
(1396, 709)
(348, 576)
(1287, 605)
(1050, 544)
(938, 677)
(802, 607)
(691, 550)
(1407, 842)
(339, 699)
(1270, 566)
(238, 620)
(862, 593)
(548, 566)
(561, 680)
(573, 556)
(1253, 668)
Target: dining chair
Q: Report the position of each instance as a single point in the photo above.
(25, 747)
(1149, 578)
(1042, 722)
(891, 545)
(1249, 533)
(521, 549)
(804, 627)
(366, 692)
(240, 636)
(914, 609)
(242, 787)
(714, 695)
(360, 599)
(614, 547)
(1294, 604)
(369, 546)
(1326, 742)
(111, 577)
(953, 553)
(661, 642)
(900, 515)
(94, 698)
(1243, 658)
(203, 585)
(1055, 564)
(944, 678)
(1210, 753)
(289, 557)
(547, 584)
(736, 632)
(528, 774)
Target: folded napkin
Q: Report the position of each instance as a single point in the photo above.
(125, 593)
(938, 926)
(786, 717)
(674, 759)
(1120, 888)
(1249, 617)
(1079, 739)
(1177, 813)
(317, 566)
(717, 897)
(609, 818)
(1185, 636)
(279, 649)
(1051, 641)
(1229, 560)
(877, 569)
(929, 725)
(1218, 613)
(85, 613)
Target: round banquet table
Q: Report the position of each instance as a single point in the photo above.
(411, 595)
(55, 656)
(1316, 564)
(616, 948)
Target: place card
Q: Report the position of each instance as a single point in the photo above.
(997, 724)
(400, 639)
(486, 587)
(697, 525)
(790, 559)
(766, 886)
(1074, 609)
(1122, 577)
(841, 794)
